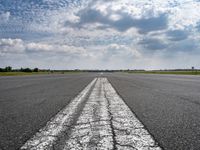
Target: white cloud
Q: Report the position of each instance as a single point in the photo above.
(39, 47)
(103, 33)
(185, 14)
(11, 46)
(122, 51)
(19, 46)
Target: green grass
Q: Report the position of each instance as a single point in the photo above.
(70, 72)
(33, 73)
(20, 73)
(168, 72)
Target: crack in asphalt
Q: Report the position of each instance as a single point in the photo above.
(59, 144)
(126, 145)
(128, 130)
(43, 139)
(97, 125)
(111, 121)
(100, 121)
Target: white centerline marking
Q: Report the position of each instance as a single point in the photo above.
(104, 122)
(129, 131)
(47, 136)
(92, 130)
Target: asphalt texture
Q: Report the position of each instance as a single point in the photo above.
(168, 105)
(28, 102)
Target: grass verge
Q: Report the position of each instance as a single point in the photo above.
(31, 73)
(195, 72)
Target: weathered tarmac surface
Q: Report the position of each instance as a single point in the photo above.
(167, 105)
(28, 102)
(96, 119)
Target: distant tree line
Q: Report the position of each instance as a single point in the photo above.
(9, 69)
(6, 69)
(29, 70)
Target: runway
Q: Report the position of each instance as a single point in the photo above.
(166, 107)
(96, 119)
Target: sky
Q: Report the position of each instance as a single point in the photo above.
(100, 34)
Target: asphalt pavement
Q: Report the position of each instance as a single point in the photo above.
(28, 102)
(167, 105)
(95, 119)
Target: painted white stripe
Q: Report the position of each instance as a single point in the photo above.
(93, 129)
(105, 122)
(46, 137)
(129, 131)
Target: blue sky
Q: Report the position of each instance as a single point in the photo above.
(100, 34)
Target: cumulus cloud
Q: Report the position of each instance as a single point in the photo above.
(120, 20)
(34, 47)
(20, 46)
(102, 33)
(116, 50)
(11, 46)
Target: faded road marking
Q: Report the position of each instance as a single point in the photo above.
(104, 122)
(47, 136)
